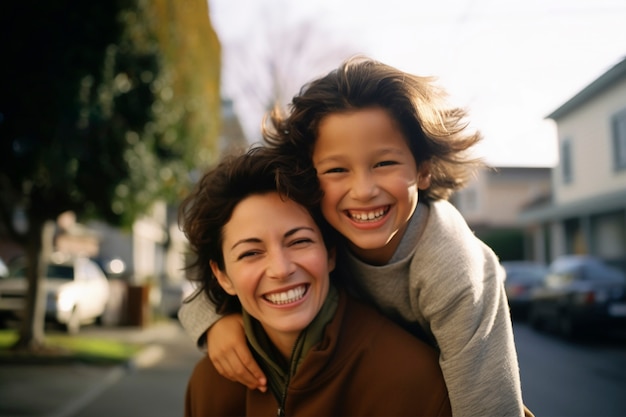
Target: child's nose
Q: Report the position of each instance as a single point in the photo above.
(363, 186)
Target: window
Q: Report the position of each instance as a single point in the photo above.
(566, 161)
(61, 272)
(618, 127)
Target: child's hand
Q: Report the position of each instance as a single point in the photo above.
(228, 350)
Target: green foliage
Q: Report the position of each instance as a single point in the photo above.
(508, 244)
(96, 114)
(89, 120)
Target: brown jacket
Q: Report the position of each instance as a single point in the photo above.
(365, 366)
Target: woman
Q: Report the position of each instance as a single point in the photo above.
(261, 250)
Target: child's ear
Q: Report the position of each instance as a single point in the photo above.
(222, 278)
(423, 175)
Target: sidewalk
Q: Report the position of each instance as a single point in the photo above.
(63, 390)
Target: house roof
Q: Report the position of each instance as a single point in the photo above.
(605, 81)
(584, 207)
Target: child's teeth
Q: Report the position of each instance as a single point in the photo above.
(368, 216)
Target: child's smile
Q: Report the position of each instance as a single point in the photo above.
(368, 216)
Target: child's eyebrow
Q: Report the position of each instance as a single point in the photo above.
(393, 151)
(331, 158)
(380, 152)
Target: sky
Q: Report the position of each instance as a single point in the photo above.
(509, 62)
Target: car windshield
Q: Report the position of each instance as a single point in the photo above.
(54, 271)
(60, 271)
(598, 271)
(527, 273)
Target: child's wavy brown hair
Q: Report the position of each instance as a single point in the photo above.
(436, 131)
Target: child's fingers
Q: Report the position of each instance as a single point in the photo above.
(232, 368)
(252, 368)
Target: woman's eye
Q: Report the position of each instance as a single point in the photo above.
(248, 254)
(301, 241)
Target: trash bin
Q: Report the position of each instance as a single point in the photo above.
(116, 311)
(139, 305)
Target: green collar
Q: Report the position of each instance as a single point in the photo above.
(276, 370)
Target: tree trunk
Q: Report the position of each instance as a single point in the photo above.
(38, 251)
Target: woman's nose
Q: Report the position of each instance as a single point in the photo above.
(280, 265)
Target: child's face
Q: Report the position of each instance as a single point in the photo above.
(276, 263)
(369, 178)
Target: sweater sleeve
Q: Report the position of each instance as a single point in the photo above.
(460, 291)
(197, 315)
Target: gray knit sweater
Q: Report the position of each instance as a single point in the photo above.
(450, 283)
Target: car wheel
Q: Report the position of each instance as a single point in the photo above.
(566, 326)
(73, 324)
(534, 318)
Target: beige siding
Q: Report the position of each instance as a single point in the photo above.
(496, 198)
(589, 131)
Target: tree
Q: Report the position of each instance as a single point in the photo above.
(96, 117)
(268, 64)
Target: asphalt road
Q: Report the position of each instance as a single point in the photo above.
(562, 378)
(154, 388)
(559, 378)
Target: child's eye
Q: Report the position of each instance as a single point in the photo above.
(385, 163)
(334, 170)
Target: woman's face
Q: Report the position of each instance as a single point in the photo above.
(276, 263)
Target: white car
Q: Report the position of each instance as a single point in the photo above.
(77, 291)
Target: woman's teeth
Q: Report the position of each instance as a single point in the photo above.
(286, 297)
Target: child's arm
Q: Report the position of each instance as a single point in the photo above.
(225, 341)
(478, 355)
(229, 352)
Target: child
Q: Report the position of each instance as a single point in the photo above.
(260, 251)
(380, 140)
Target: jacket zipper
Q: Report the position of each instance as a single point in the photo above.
(292, 364)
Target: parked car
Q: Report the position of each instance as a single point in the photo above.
(522, 277)
(4, 269)
(579, 295)
(77, 291)
(173, 296)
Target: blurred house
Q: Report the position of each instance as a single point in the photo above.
(154, 251)
(587, 211)
(491, 204)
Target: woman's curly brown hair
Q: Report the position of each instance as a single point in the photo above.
(204, 213)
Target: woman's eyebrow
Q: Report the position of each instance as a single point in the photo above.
(247, 240)
(290, 232)
(297, 229)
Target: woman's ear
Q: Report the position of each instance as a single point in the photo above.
(332, 259)
(222, 278)
(423, 175)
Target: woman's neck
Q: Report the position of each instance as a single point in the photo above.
(283, 341)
